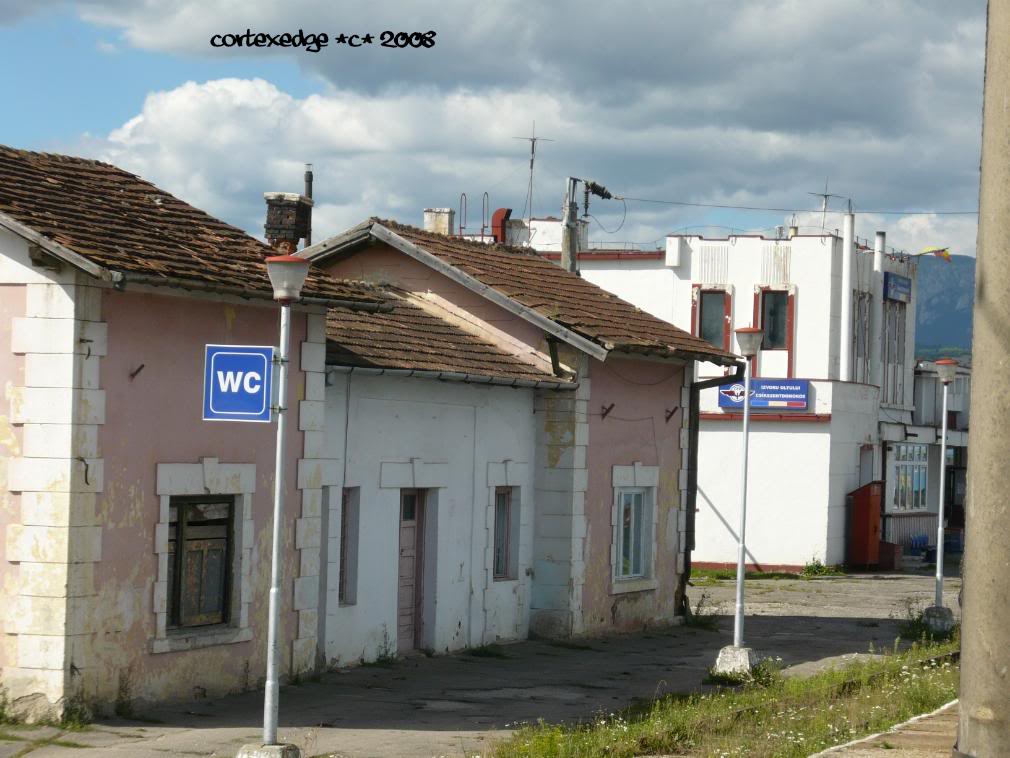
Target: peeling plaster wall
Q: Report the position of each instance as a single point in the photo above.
(454, 439)
(12, 369)
(635, 429)
(155, 417)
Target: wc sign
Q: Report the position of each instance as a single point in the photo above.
(237, 383)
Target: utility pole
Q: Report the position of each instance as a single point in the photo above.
(569, 236)
(984, 728)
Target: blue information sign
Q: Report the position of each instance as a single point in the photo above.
(237, 383)
(767, 393)
(897, 287)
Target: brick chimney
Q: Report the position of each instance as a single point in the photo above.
(439, 220)
(289, 219)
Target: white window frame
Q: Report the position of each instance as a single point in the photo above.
(511, 475)
(910, 466)
(635, 478)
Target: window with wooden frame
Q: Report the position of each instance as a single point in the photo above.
(201, 534)
(712, 315)
(774, 319)
(774, 312)
(634, 532)
(347, 579)
(506, 532)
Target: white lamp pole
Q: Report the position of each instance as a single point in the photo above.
(749, 339)
(946, 369)
(287, 275)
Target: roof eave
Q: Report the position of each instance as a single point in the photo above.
(361, 233)
(57, 250)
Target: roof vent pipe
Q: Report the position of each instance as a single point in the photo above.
(499, 225)
(793, 231)
(878, 251)
(308, 194)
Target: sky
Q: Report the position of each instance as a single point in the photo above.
(755, 103)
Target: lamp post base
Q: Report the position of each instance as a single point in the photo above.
(269, 751)
(735, 661)
(939, 619)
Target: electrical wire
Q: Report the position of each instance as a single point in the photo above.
(619, 226)
(791, 210)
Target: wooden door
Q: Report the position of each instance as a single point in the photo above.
(409, 591)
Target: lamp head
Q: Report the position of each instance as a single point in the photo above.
(287, 275)
(946, 369)
(749, 339)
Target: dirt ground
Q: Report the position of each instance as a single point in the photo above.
(451, 705)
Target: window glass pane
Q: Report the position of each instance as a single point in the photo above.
(636, 567)
(773, 319)
(409, 507)
(625, 565)
(712, 317)
(501, 526)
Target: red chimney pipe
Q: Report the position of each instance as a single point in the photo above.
(498, 223)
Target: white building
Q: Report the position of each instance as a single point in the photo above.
(854, 419)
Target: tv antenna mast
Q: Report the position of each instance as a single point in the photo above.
(533, 140)
(824, 201)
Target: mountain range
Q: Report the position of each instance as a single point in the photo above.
(944, 310)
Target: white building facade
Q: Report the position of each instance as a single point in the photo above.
(856, 421)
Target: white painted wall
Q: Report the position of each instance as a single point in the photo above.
(646, 283)
(468, 428)
(786, 518)
(799, 475)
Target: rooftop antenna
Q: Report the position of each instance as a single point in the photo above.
(533, 140)
(824, 201)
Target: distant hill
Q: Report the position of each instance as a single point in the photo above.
(944, 311)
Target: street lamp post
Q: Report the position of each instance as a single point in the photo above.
(287, 275)
(940, 618)
(739, 659)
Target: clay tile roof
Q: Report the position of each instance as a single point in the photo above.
(565, 298)
(123, 223)
(411, 337)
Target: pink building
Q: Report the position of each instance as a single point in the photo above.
(483, 445)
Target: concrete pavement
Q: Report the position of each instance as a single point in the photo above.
(451, 705)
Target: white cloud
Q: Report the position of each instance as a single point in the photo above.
(221, 143)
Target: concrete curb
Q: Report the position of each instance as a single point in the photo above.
(892, 730)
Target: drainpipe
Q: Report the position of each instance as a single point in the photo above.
(845, 346)
(693, 427)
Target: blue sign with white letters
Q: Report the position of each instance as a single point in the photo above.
(768, 393)
(237, 381)
(897, 287)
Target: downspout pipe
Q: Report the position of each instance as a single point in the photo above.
(693, 427)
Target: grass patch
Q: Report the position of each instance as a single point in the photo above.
(786, 718)
(488, 651)
(816, 568)
(708, 577)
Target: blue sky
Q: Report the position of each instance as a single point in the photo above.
(81, 78)
(729, 103)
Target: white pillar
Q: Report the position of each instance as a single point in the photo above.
(845, 343)
(877, 312)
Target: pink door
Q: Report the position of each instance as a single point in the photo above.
(408, 604)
